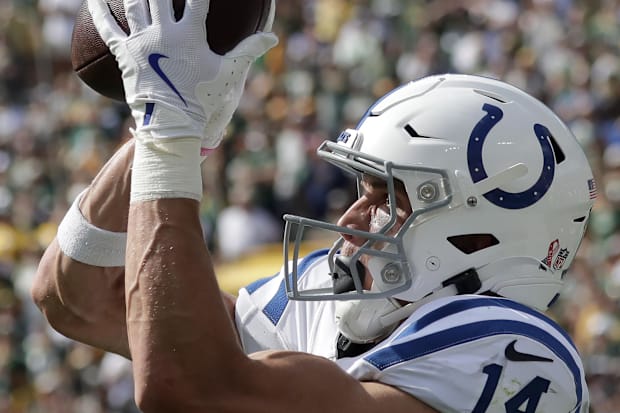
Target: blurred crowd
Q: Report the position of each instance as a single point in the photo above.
(334, 59)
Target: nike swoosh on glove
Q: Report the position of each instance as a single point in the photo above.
(175, 85)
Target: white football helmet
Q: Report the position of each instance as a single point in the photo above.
(500, 190)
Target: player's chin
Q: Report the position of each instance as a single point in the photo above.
(347, 249)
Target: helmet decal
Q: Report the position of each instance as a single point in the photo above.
(344, 137)
(592, 190)
(561, 259)
(501, 198)
(553, 248)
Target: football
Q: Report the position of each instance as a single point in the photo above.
(228, 22)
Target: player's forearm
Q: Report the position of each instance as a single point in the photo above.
(170, 276)
(86, 302)
(93, 231)
(82, 302)
(106, 202)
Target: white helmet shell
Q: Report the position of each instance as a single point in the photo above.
(480, 160)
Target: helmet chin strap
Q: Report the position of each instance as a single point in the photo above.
(408, 309)
(466, 282)
(474, 281)
(375, 319)
(365, 321)
(361, 320)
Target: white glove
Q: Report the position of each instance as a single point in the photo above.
(230, 83)
(174, 84)
(179, 91)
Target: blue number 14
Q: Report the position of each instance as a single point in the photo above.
(529, 395)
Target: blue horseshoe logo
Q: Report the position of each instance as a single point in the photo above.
(503, 199)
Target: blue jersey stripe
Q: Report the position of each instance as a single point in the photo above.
(253, 287)
(458, 306)
(415, 348)
(276, 306)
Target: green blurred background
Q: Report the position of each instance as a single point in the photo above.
(334, 59)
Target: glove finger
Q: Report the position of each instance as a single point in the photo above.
(254, 45)
(197, 10)
(219, 119)
(211, 138)
(158, 8)
(105, 23)
(137, 14)
(272, 13)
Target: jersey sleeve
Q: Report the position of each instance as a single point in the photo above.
(267, 320)
(256, 325)
(480, 355)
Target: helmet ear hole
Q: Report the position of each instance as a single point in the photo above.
(470, 243)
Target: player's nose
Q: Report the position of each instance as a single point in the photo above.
(356, 217)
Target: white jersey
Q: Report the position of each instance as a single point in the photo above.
(457, 354)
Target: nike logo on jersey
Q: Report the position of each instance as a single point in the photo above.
(513, 355)
(154, 59)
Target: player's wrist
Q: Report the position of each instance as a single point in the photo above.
(210, 142)
(162, 120)
(166, 168)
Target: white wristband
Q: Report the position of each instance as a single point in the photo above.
(165, 168)
(84, 242)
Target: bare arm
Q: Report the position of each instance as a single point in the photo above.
(186, 353)
(81, 301)
(185, 350)
(86, 302)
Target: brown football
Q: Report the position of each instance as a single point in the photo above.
(228, 22)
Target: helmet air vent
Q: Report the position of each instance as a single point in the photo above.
(490, 95)
(470, 243)
(413, 133)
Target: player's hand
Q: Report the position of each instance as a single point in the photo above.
(222, 95)
(174, 84)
